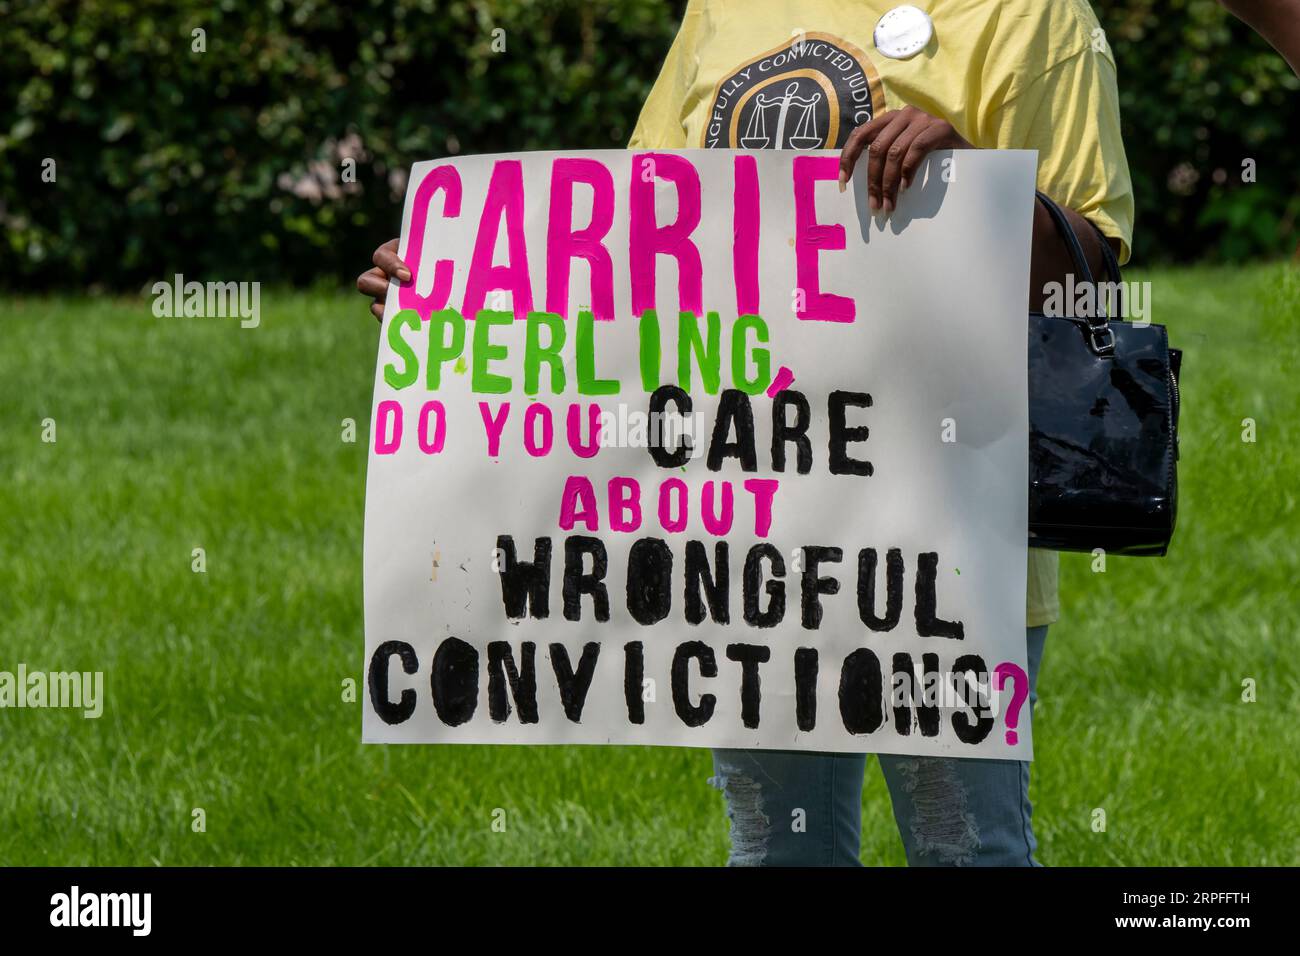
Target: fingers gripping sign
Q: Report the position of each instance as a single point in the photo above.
(895, 142)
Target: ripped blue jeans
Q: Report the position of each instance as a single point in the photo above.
(799, 808)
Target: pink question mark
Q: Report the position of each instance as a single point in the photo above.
(1020, 691)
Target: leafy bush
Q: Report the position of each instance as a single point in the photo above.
(1202, 99)
(226, 163)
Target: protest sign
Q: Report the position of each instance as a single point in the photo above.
(689, 448)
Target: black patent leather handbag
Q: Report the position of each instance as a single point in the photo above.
(1103, 425)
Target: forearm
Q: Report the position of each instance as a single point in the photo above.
(1277, 21)
(1050, 257)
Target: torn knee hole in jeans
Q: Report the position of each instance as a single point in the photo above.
(750, 826)
(943, 825)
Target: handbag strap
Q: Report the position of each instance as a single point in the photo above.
(1107, 255)
(1101, 336)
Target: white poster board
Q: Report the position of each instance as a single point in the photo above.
(801, 521)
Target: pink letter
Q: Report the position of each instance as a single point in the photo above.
(713, 523)
(440, 430)
(763, 490)
(440, 177)
(665, 505)
(388, 411)
(744, 248)
(624, 499)
(564, 243)
(505, 199)
(493, 426)
(531, 414)
(578, 491)
(810, 237)
(574, 423)
(646, 239)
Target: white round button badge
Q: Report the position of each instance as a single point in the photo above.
(903, 32)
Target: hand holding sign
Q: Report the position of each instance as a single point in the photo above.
(374, 282)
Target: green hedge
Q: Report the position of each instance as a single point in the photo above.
(171, 160)
(1200, 94)
(225, 163)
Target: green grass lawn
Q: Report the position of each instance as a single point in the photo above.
(224, 689)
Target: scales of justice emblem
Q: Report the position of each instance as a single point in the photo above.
(805, 133)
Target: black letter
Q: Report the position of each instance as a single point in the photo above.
(389, 712)
(716, 587)
(524, 584)
(633, 675)
(574, 687)
(841, 434)
(927, 714)
(805, 687)
(692, 716)
(733, 406)
(659, 398)
(576, 583)
(454, 681)
(860, 704)
(523, 686)
(903, 693)
(867, 562)
(797, 433)
(927, 624)
(749, 656)
(649, 580)
(775, 612)
(967, 732)
(814, 555)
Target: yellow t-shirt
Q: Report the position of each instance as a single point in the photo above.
(1008, 74)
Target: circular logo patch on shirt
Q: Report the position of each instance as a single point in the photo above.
(809, 93)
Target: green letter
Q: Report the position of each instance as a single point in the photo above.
(535, 354)
(588, 384)
(407, 318)
(762, 357)
(710, 358)
(483, 380)
(649, 335)
(439, 351)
